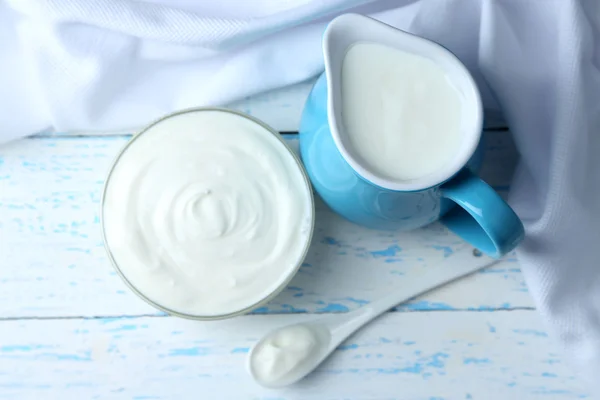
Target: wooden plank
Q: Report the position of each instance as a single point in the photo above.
(53, 262)
(280, 108)
(436, 355)
(50, 199)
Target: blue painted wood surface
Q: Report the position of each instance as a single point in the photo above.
(52, 201)
(69, 328)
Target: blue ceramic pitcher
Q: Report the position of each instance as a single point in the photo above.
(455, 195)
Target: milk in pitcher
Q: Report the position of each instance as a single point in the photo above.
(401, 113)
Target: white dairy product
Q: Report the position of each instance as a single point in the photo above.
(207, 213)
(283, 353)
(400, 112)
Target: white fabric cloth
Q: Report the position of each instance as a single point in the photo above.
(116, 64)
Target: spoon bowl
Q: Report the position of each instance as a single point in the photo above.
(288, 354)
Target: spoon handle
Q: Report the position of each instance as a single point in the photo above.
(461, 263)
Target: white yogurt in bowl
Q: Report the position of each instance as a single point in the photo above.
(207, 214)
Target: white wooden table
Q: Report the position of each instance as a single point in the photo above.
(70, 329)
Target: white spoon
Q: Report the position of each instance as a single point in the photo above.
(288, 354)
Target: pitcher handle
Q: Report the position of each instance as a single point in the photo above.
(483, 219)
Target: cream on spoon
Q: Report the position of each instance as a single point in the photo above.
(288, 354)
